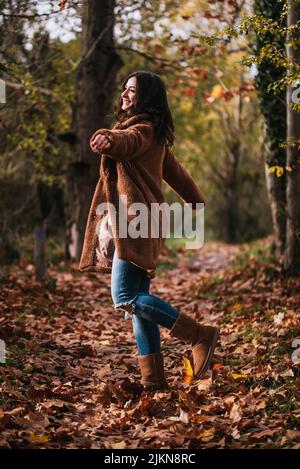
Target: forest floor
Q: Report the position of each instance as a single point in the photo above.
(71, 379)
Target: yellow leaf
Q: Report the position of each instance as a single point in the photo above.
(288, 168)
(38, 438)
(217, 91)
(188, 371)
(206, 434)
(241, 376)
(279, 170)
(236, 308)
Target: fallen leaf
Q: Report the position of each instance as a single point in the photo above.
(119, 445)
(40, 439)
(188, 373)
(241, 376)
(206, 435)
(184, 416)
(293, 435)
(235, 413)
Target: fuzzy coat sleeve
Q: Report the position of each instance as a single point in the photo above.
(128, 143)
(179, 179)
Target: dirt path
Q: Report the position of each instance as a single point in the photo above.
(71, 379)
(212, 258)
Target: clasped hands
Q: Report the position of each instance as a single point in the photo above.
(100, 142)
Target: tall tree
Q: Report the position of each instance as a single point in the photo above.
(292, 250)
(273, 108)
(31, 166)
(96, 77)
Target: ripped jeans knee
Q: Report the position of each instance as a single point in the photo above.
(128, 306)
(149, 307)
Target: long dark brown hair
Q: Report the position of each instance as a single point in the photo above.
(151, 97)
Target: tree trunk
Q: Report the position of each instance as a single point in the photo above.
(292, 251)
(276, 187)
(232, 218)
(39, 252)
(95, 84)
(276, 193)
(232, 175)
(273, 108)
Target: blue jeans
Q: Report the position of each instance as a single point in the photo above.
(130, 286)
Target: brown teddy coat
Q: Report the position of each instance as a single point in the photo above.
(135, 165)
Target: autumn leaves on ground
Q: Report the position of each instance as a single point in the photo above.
(71, 379)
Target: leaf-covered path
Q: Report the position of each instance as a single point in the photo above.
(71, 378)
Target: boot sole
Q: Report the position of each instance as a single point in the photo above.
(209, 355)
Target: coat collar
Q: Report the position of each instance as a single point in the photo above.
(131, 120)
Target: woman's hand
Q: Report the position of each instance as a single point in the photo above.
(101, 142)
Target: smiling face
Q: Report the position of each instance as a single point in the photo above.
(129, 95)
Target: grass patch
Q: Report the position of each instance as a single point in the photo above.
(210, 289)
(240, 311)
(258, 251)
(55, 247)
(174, 243)
(249, 333)
(168, 262)
(164, 266)
(10, 361)
(231, 362)
(281, 405)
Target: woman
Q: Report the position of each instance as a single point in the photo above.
(135, 158)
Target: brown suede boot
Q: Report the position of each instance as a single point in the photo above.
(152, 371)
(202, 338)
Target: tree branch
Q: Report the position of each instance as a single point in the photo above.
(45, 91)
